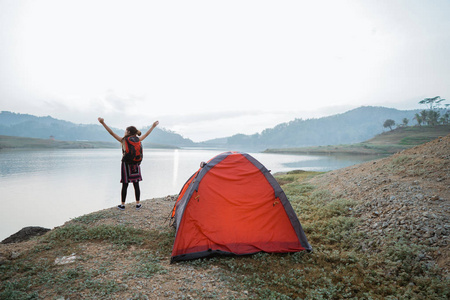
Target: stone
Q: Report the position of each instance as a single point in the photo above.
(427, 234)
(25, 234)
(419, 197)
(65, 259)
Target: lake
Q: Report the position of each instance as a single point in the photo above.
(49, 187)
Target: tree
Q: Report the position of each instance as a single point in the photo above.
(445, 118)
(433, 117)
(405, 122)
(424, 115)
(432, 101)
(419, 119)
(389, 123)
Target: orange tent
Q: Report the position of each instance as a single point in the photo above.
(233, 205)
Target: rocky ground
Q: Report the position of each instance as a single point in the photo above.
(405, 193)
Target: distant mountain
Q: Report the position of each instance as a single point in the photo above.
(354, 126)
(24, 125)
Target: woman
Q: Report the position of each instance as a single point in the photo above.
(130, 172)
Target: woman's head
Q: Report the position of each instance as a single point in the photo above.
(131, 130)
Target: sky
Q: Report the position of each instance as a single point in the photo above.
(210, 69)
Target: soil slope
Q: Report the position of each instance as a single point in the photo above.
(408, 191)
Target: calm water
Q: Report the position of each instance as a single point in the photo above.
(48, 187)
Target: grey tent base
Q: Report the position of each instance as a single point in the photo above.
(214, 253)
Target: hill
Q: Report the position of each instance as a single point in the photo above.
(388, 142)
(354, 126)
(379, 230)
(24, 125)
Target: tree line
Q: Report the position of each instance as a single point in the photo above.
(434, 115)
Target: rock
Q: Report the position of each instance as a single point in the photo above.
(25, 234)
(427, 234)
(65, 259)
(419, 197)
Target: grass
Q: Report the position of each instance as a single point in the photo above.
(337, 268)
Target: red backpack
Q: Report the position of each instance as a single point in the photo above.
(132, 152)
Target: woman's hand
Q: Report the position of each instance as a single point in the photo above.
(149, 131)
(102, 121)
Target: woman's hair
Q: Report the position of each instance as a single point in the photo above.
(132, 131)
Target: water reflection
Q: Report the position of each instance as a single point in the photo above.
(176, 158)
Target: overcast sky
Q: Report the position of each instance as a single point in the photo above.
(209, 69)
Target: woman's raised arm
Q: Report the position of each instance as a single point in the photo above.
(149, 131)
(102, 121)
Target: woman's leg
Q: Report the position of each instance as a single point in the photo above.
(124, 192)
(137, 191)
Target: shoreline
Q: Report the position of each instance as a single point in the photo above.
(356, 149)
(37, 230)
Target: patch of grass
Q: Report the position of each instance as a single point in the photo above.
(68, 282)
(417, 140)
(293, 176)
(147, 265)
(397, 164)
(73, 281)
(14, 290)
(283, 179)
(416, 172)
(400, 160)
(94, 217)
(121, 235)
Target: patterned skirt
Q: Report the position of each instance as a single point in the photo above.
(130, 173)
